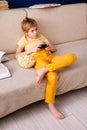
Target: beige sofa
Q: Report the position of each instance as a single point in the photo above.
(64, 26)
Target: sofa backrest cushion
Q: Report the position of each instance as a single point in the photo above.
(60, 24)
(10, 29)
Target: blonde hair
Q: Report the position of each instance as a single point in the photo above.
(27, 23)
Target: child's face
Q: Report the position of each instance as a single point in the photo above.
(33, 32)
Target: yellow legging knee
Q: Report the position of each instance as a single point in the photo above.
(59, 62)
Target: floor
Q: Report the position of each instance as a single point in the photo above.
(37, 116)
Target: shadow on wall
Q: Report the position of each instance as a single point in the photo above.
(27, 3)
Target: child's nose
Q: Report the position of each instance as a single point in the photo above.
(35, 32)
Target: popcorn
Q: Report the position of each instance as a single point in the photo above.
(26, 61)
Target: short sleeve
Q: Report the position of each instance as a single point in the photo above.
(22, 42)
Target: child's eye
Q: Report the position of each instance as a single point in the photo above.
(36, 29)
(32, 30)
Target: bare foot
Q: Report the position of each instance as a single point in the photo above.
(41, 73)
(55, 112)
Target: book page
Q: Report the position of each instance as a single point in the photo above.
(4, 72)
(2, 57)
(1, 54)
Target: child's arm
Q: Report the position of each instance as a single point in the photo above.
(20, 51)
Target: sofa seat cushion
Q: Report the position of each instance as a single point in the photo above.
(74, 76)
(21, 89)
(78, 47)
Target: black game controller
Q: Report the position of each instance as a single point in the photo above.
(42, 46)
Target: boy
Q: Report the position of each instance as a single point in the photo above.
(46, 63)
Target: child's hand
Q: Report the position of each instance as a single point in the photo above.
(51, 48)
(47, 48)
(35, 49)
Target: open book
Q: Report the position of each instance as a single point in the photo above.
(4, 72)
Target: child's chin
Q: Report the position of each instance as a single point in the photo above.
(35, 37)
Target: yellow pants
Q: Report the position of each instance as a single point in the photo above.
(53, 63)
